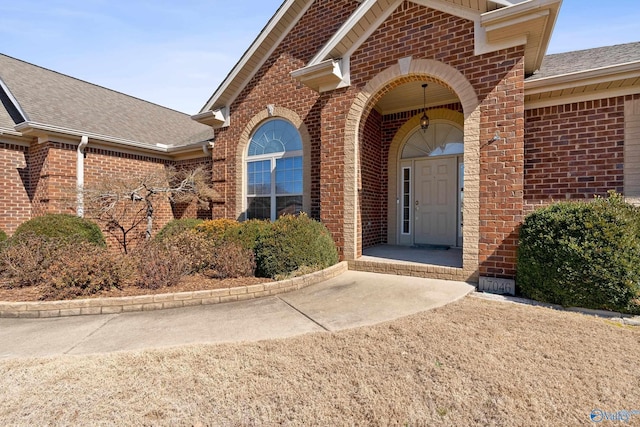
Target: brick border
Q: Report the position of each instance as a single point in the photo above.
(80, 307)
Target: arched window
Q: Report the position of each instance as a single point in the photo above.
(440, 139)
(274, 171)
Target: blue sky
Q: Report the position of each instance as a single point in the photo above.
(176, 53)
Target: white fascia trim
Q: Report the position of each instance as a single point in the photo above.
(157, 148)
(13, 100)
(482, 46)
(325, 76)
(8, 131)
(451, 9)
(512, 11)
(252, 50)
(342, 32)
(512, 16)
(582, 78)
(34, 126)
(580, 97)
(215, 118)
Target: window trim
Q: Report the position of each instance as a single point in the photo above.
(272, 157)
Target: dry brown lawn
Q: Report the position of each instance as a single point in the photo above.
(474, 362)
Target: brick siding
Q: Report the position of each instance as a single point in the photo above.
(574, 151)
(15, 203)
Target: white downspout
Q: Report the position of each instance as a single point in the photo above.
(80, 175)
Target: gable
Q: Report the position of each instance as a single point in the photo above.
(498, 25)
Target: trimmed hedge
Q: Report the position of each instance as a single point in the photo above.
(294, 242)
(582, 254)
(64, 227)
(177, 226)
(247, 233)
(216, 228)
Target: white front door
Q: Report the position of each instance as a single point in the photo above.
(436, 201)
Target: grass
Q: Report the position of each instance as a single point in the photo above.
(474, 362)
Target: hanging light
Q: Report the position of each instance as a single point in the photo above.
(424, 120)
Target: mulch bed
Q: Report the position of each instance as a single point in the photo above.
(187, 284)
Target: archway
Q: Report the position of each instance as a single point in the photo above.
(410, 70)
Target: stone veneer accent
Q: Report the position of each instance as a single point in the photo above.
(422, 70)
(163, 301)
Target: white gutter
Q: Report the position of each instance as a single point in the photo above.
(84, 141)
(25, 127)
(592, 76)
(206, 148)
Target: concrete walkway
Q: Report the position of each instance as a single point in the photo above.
(350, 300)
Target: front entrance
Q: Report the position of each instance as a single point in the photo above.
(431, 187)
(436, 202)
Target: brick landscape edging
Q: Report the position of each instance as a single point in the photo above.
(80, 307)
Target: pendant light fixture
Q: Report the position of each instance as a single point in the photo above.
(424, 120)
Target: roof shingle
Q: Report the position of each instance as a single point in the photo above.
(51, 98)
(588, 59)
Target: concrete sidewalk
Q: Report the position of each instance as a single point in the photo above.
(350, 300)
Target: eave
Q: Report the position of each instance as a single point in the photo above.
(44, 131)
(328, 75)
(528, 23)
(604, 82)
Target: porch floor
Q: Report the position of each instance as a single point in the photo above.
(451, 257)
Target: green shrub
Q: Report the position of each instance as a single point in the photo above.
(196, 249)
(3, 236)
(62, 227)
(24, 260)
(247, 233)
(582, 254)
(177, 226)
(85, 269)
(216, 228)
(293, 242)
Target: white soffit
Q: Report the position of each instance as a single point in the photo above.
(598, 83)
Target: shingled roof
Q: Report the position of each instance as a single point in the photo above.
(589, 59)
(53, 99)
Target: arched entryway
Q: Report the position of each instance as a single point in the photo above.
(400, 156)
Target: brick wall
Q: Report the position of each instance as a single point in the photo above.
(412, 30)
(273, 84)
(15, 203)
(119, 170)
(574, 151)
(41, 179)
(497, 78)
(194, 210)
(373, 193)
(52, 177)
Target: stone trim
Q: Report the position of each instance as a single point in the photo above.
(163, 301)
(413, 270)
(410, 70)
(272, 111)
(632, 150)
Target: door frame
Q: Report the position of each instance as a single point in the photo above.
(409, 238)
